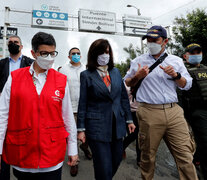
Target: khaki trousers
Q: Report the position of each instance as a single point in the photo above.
(165, 121)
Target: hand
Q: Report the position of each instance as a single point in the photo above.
(82, 136)
(142, 71)
(72, 160)
(169, 70)
(131, 127)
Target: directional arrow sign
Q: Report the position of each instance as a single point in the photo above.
(136, 25)
(135, 32)
(98, 21)
(99, 28)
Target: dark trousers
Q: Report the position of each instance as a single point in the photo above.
(5, 171)
(199, 126)
(107, 157)
(133, 136)
(53, 175)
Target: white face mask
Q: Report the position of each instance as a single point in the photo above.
(154, 48)
(103, 59)
(45, 63)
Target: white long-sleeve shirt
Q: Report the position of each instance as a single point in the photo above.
(67, 115)
(73, 77)
(156, 88)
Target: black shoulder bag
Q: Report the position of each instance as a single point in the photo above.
(136, 87)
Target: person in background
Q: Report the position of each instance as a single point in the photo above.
(103, 110)
(15, 61)
(36, 118)
(194, 103)
(132, 136)
(72, 70)
(159, 115)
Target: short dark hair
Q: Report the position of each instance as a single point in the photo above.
(42, 38)
(15, 36)
(72, 49)
(97, 48)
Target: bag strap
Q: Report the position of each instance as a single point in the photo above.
(136, 87)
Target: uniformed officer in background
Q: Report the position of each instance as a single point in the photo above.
(194, 103)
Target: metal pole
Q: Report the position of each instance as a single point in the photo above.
(142, 45)
(6, 24)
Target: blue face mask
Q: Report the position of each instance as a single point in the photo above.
(76, 58)
(195, 59)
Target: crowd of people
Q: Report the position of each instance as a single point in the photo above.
(44, 112)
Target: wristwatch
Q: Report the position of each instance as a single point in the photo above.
(177, 77)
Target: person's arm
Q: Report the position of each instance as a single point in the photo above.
(70, 127)
(135, 73)
(126, 107)
(185, 81)
(141, 73)
(4, 112)
(185, 74)
(181, 82)
(82, 107)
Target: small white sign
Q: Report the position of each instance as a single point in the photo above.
(135, 31)
(137, 18)
(98, 21)
(53, 16)
(136, 25)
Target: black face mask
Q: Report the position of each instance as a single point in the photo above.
(13, 48)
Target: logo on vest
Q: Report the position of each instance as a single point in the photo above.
(57, 96)
(57, 93)
(201, 76)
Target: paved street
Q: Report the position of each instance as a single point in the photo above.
(165, 167)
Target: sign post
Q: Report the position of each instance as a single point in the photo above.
(6, 24)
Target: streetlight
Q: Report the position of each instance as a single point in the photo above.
(139, 14)
(138, 10)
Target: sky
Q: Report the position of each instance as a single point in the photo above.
(162, 12)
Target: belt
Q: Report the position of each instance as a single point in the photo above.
(157, 106)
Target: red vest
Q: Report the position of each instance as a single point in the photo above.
(36, 136)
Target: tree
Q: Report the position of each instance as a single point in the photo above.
(133, 52)
(190, 29)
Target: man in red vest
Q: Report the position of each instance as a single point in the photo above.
(36, 117)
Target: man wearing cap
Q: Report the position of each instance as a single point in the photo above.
(158, 113)
(194, 103)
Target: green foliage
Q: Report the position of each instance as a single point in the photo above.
(190, 29)
(133, 52)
